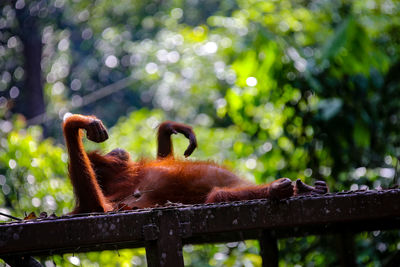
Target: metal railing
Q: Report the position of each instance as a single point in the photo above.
(163, 231)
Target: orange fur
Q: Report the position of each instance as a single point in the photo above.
(113, 181)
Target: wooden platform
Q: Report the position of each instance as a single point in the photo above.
(164, 230)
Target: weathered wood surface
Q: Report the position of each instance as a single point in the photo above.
(223, 222)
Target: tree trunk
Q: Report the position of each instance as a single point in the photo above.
(31, 103)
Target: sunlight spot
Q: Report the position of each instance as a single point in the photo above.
(388, 7)
(360, 172)
(219, 66)
(281, 164)
(210, 47)
(151, 68)
(283, 26)
(148, 23)
(76, 84)
(58, 88)
(300, 64)
(387, 172)
(50, 202)
(14, 92)
(74, 260)
(59, 3)
(188, 248)
(226, 42)
(177, 13)
(198, 31)
(187, 72)
(84, 15)
(230, 77)
(251, 163)
(63, 45)
(266, 147)
(12, 42)
(203, 119)
(34, 163)
(54, 183)
(251, 81)
(220, 103)
(87, 34)
(324, 170)
(12, 163)
(31, 179)
(6, 126)
(6, 189)
(36, 202)
(153, 122)
(20, 4)
(220, 256)
(51, 77)
(3, 102)
(169, 77)
(354, 187)
(64, 156)
(6, 77)
(76, 101)
(162, 55)
(136, 261)
(19, 73)
(173, 57)
(382, 247)
(364, 187)
(49, 263)
(388, 160)
(111, 61)
(167, 103)
(308, 172)
(377, 185)
(5, 211)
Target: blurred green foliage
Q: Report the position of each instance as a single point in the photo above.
(301, 89)
(33, 172)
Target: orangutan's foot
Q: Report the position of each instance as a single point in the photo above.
(281, 188)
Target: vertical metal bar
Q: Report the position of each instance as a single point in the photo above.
(167, 249)
(164, 252)
(345, 249)
(269, 249)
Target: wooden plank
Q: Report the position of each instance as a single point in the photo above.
(205, 223)
(269, 249)
(345, 248)
(166, 250)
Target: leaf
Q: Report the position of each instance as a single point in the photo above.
(338, 40)
(361, 135)
(245, 67)
(30, 216)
